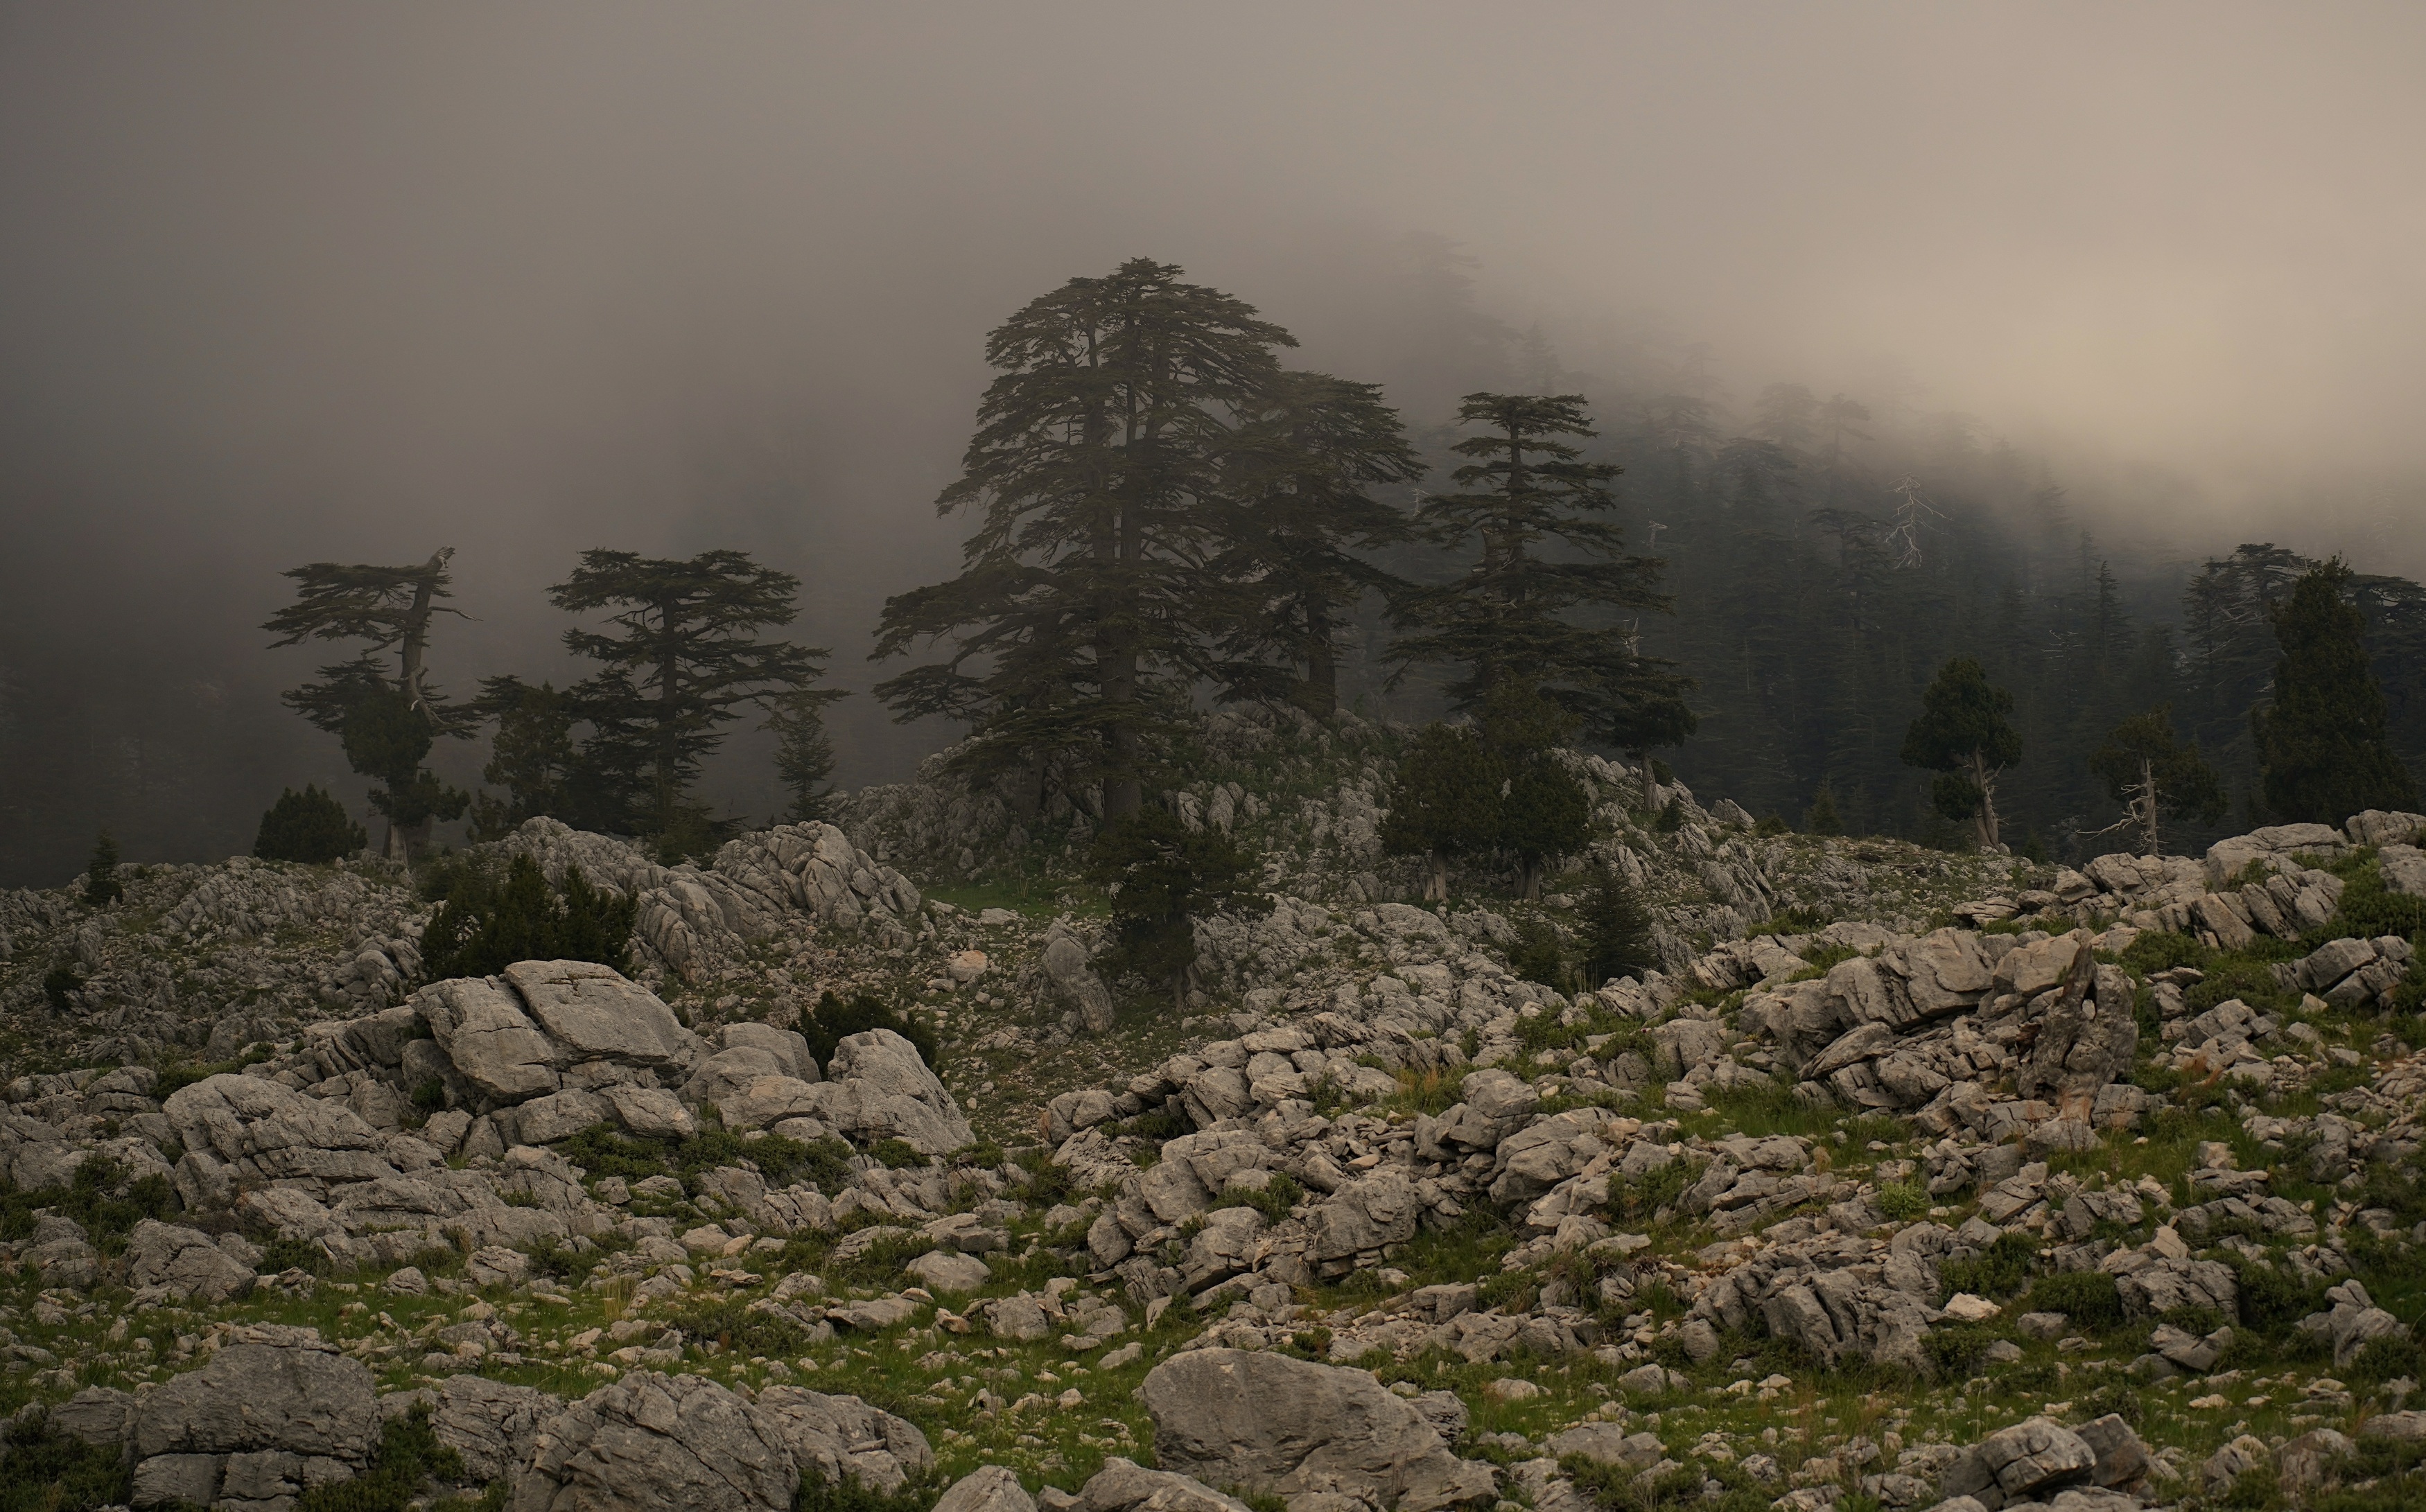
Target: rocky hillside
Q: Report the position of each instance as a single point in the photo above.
(1910, 1180)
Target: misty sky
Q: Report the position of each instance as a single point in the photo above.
(280, 282)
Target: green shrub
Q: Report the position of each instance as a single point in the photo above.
(2161, 950)
(280, 1255)
(2088, 1298)
(1536, 956)
(2386, 1360)
(1954, 1349)
(2272, 1300)
(57, 984)
(897, 1154)
(484, 926)
(311, 827)
(56, 1473)
(835, 1018)
(1278, 1194)
(850, 1494)
(729, 1323)
(409, 1456)
(2369, 909)
(1901, 1201)
(177, 1078)
(1998, 1270)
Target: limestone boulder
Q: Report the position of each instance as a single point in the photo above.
(185, 1262)
(655, 1440)
(1267, 1422)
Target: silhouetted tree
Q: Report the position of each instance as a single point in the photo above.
(2153, 773)
(388, 723)
(102, 887)
(310, 827)
(1086, 605)
(1164, 878)
(805, 754)
(1308, 449)
(1616, 929)
(1511, 613)
(2323, 742)
(687, 657)
(1963, 734)
(1445, 802)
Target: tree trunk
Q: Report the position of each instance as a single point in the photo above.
(2145, 804)
(1022, 791)
(1435, 877)
(1320, 697)
(1531, 871)
(1984, 779)
(669, 676)
(416, 633)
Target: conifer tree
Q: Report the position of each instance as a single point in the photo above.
(311, 827)
(804, 753)
(387, 723)
(102, 887)
(1616, 929)
(1963, 734)
(1544, 810)
(1822, 818)
(1445, 802)
(1164, 878)
(1309, 449)
(2323, 744)
(1526, 495)
(2153, 773)
(1087, 604)
(531, 756)
(686, 659)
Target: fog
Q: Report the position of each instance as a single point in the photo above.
(288, 283)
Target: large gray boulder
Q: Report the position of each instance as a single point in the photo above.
(487, 1037)
(1074, 981)
(592, 1013)
(1268, 1422)
(1365, 1215)
(1124, 1486)
(987, 1488)
(244, 1131)
(673, 1441)
(275, 1410)
(842, 1437)
(494, 1426)
(877, 1088)
(186, 1263)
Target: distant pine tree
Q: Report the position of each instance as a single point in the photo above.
(686, 658)
(101, 885)
(2324, 746)
(311, 827)
(1445, 802)
(1820, 819)
(1164, 878)
(1616, 929)
(804, 753)
(1544, 810)
(1962, 734)
(388, 725)
(2153, 773)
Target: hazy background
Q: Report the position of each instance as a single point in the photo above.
(285, 282)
